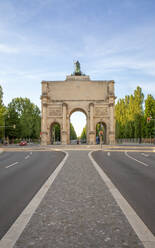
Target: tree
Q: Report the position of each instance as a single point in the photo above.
(84, 134)
(1, 95)
(2, 116)
(73, 135)
(149, 112)
(129, 115)
(26, 116)
(56, 132)
(138, 112)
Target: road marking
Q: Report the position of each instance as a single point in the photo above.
(142, 231)
(30, 153)
(19, 225)
(27, 156)
(145, 155)
(136, 159)
(11, 165)
(108, 153)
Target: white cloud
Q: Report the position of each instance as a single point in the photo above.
(8, 49)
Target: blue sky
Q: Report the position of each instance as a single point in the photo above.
(40, 39)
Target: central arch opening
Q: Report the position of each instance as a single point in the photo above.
(78, 127)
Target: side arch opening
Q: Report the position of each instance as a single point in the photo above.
(55, 133)
(101, 133)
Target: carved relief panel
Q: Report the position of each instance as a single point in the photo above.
(101, 111)
(54, 111)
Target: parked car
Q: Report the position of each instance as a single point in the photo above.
(23, 143)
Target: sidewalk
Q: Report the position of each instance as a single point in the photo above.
(78, 212)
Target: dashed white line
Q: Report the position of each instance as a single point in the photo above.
(27, 156)
(11, 165)
(108, 153)
(145, 155)
(136, 160)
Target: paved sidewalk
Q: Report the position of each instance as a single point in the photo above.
(78, 212)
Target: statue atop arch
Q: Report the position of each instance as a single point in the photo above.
(77, 71)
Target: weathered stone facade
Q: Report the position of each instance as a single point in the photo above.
(94, 98)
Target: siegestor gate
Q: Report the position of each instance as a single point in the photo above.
(78, 92)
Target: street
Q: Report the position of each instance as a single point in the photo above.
(133, 174)
(21, 175)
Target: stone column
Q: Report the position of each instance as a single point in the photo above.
(44, 101)
(112, 122)
(64, 111)
(111, 113)
(64, 120)
(91, 117)
(44, 124)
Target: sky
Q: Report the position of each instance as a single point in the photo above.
(40, 40)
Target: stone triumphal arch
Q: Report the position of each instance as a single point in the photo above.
(78, 92)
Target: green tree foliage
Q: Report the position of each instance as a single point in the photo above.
(131, 119)
(26, 116)
(149, 112)
(73, 135)
(84, 134)
(129, 115)
(1, 95)
(3, 114)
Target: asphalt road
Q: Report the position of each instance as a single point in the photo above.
(21, 175)
(133, 173)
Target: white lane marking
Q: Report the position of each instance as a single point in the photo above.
(142, 231)
(27, 156)
(136, 159)
(145, 154)
(11, 165)
(30, 153)
(13, 234)
(108, 153)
